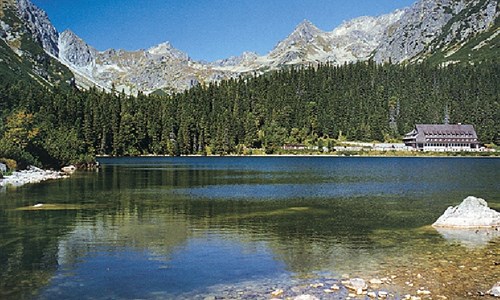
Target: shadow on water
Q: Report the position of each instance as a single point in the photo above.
(160, 227)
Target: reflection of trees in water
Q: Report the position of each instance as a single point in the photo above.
(146, 209)
(29, 249)
(157, 233)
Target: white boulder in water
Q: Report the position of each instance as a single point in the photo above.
(471, 213)
(495, 290)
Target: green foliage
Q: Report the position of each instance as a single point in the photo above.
(309, 106)
(11, 166)
(62, 145)
(22, 157)
(33, 66)
(19, 134)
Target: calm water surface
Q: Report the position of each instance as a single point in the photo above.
(155, 228)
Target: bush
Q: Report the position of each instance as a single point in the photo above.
(22, 157)
(10, 163)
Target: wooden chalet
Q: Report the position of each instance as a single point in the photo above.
(442, 137)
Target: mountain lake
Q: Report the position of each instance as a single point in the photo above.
(249, 228)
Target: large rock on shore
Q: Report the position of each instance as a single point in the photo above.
(30, 175)
(495, 290)
(471, 213)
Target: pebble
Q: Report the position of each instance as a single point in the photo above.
(277, 293)
(372, 294)
(375, 281)
(316, 285)
(305, 297)
(423, 292)
(335, 287)
(357, 284)
(383, 294)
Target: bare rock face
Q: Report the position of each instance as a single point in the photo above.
(429, 27)
(471, 213)
(39, 25)
(432, 25)
(74, 51)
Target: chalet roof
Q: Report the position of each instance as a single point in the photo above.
(446, 129)
(449, 131)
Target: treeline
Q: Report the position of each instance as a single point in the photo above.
(314, 106)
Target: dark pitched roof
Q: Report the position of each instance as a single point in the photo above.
(424, 131)
(447, 129)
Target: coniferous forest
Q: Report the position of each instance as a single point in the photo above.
(313, 106)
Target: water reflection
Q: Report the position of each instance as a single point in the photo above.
(470, 238)
(150, 228)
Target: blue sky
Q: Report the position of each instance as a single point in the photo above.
(204, 29)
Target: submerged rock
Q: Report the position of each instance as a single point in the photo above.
(471, 213)
(277, 293)
(469, 237)
(357, 284)
(69, 169)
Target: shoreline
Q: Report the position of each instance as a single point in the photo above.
(306, 155)
(30, 175)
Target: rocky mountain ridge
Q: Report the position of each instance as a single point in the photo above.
(28, 45)
(438, 26)
(443, 30)
(39, 25)
(164, 67)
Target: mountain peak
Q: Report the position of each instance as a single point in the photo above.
(161, 48)
(305, 23)
(68, 33)
(74, 50)
(305, 36)
(306, 28)
(166, 49)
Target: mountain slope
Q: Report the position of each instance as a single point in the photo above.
(26, 46)
(439, 29)
(352, 41)
(159, 68)
(165, 68)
